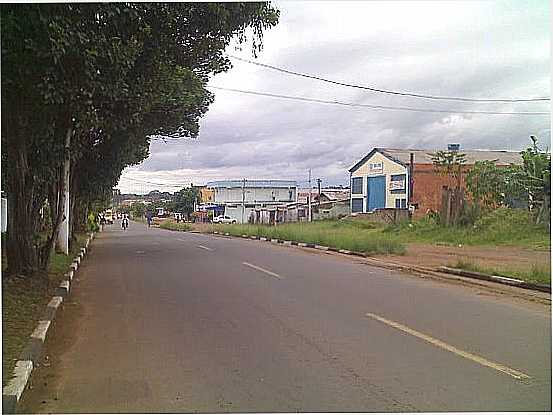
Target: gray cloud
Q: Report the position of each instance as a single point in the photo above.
(474, 49)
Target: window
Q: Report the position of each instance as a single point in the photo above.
(357, 185)
(356, 205)
(401, 203)
(397, 183)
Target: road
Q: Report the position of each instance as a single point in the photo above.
(162, 321)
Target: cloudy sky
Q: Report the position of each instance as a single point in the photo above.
(479, 49)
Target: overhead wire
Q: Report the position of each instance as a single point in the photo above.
(378, 107)
(385, 91)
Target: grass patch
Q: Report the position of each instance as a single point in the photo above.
(538, 273)
(354, 236)
(24, 300)
(174, 226)
(506, 227)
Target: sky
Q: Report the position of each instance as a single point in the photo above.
(477, 49)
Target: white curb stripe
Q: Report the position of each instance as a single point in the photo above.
(65, 284)
(16, 385)
(55, 302)
(41, 330)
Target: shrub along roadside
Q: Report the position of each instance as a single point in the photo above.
(23, 302)
(174, 226)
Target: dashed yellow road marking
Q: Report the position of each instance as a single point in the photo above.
(272, 274)
(438, 343)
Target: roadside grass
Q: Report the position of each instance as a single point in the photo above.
(538, 273)
(174, 226)
(502, 227)
(352, 236)
(24, 300)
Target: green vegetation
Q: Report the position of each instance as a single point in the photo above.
(354, 236)
(23, 302)
(103, 80)
(507, 227)
(174, 226)
(538, 273)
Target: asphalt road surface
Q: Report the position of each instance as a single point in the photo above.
(162, 321)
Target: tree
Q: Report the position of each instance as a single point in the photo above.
(138, 209)
(186, 199)
(109, 76)
(450, 164)
(486, 183)
(492, 186)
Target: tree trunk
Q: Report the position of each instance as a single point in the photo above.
(48, 248)
(22, 211)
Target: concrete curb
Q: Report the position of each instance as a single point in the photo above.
(30, 356)
(497, 278)
(412, 268)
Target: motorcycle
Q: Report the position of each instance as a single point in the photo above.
(124, 223)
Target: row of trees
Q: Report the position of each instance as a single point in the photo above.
(183, 201)
(106, 78)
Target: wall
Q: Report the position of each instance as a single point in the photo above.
(389, 168)
(387, 216)
(332, 210)
(255, 195)
(427, 188)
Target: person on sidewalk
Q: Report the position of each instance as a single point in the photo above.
(149, 218)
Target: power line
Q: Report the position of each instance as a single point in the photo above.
(152, 183)
(385, 91)
(378, 107)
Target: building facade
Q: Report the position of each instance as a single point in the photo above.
(384, 178)
(241, 197)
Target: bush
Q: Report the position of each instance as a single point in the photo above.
(174, 226)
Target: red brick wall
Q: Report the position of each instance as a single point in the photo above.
(427, 188)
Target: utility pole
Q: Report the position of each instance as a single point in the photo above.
(63, 233)
(243, 198)
(319, 187)
(309, 198)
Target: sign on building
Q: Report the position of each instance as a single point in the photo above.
(397, 184)
(376, 167)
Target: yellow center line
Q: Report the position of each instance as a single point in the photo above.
(272, 274)
(438, 343)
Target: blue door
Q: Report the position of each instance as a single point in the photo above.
(376, 193)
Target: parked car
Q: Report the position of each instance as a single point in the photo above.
(223, 219)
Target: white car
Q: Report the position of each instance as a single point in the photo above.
(223, 219)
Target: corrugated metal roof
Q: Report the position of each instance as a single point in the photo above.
(472, 156)
(402, 156)
(253, 183)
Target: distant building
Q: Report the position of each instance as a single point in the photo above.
(241, 197)
(207, 195)
(382, 179)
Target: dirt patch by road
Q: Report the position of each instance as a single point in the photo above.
(485, 256)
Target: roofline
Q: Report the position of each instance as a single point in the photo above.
(368, 156)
